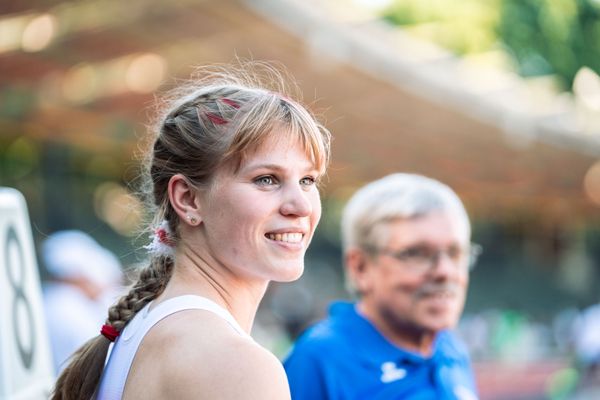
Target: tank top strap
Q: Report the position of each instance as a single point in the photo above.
(181, 303)
(122, 352)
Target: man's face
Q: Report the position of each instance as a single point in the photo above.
(403, 289)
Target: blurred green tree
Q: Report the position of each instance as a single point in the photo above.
(466, 26)
(552, 36)
(543, 37)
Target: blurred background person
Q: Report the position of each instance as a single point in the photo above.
(407, 254)
(586, 336)
(586, 343)
(84, 279)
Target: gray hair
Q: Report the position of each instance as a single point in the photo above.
(396, 196)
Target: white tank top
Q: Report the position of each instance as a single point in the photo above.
(122, 352)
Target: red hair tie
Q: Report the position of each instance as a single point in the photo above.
(163, 236)
(109, 332)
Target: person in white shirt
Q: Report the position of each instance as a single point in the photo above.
(84, 279)
(233, 174)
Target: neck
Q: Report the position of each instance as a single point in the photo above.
(403, 335)
(197, 274)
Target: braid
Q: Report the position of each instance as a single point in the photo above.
(151, 283)
(214, 121)
(81, 377)
(219, 108)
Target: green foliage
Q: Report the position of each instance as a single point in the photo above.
(464, 26)
(543, 36)
(552, 36)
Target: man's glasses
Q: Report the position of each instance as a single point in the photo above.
(423, 258)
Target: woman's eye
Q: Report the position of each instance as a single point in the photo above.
(307, 181)
(266, 180)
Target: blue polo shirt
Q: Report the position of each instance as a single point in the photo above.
(345, 358)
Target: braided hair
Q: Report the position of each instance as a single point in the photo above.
(213, 120)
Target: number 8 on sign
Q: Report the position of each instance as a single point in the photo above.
(22, 315)
(26, 371)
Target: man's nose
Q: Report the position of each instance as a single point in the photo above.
(443, 265)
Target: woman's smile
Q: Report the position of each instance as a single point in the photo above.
(268, 208)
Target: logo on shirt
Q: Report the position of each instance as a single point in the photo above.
(462, 393)
(391, 373)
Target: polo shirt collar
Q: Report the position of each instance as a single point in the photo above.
(367, 339)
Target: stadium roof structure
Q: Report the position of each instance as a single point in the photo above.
(85, 72)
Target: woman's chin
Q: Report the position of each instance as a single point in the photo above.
(288, 273)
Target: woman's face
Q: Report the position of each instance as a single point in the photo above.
(258, 221)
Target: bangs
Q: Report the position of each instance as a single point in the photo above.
(272, 117)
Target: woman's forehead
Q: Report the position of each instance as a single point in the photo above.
(276, 151)
(277, 146)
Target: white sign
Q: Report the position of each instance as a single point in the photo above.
(26, 370)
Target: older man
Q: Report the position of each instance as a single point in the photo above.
(407, 254)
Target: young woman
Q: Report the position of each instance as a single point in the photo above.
(233, 177)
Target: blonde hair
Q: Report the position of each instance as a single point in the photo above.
(213, 120)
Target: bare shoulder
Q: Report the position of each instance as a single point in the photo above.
(241, 369)
(204, 358)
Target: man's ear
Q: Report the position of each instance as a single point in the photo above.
(357, 268)
(185, 200)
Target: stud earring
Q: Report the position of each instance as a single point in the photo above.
(193, 220)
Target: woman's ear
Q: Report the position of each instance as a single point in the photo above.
(185, 200)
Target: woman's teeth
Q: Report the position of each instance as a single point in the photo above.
(285, 237)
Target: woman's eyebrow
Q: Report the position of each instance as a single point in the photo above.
(264, 166)
(275, 167)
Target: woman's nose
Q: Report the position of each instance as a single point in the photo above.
(296, 202)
